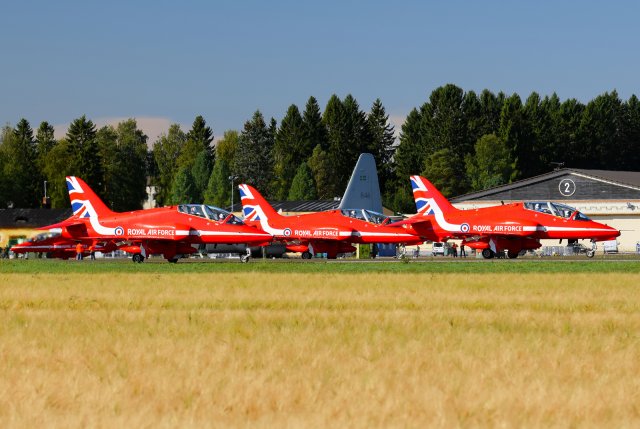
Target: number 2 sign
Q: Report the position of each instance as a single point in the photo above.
(567, 187)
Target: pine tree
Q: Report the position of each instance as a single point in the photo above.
(166, 152)
(382, 139)
(183, 190)
(320, 166)
(442, 173)
(600, 132)
(124, 155)
(315, 130)
(201, 171)
(409, 159)
(515, 133)
(57, 165)
(289, 150)
(303, 186)
(81, 137)
(253, 161)
(218, 191)
(25, 176)
(45, 141)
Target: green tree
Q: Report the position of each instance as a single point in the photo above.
(320, 166)
(409, 159)
(57, 165)
(514, 131)
(445, 126)
(227, 147)
(566, 125)
(124, 156)
(442, 173)
(166, 152)
(629, 151)
(289, 150)
(491, 165)
(601, 132)
(315, 130)
(4, 179)
(81, 137)
(253, 161)
(20, 173)
(201, 171)
(45, 141)
(303, 186)
(183, 190)
(382, 135)
(218, 191)
(348, 136)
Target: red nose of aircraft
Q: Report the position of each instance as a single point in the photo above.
(602, 232)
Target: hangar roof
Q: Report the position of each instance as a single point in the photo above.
(32, 218)
(565, 184)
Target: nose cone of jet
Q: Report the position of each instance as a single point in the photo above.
(604, 232)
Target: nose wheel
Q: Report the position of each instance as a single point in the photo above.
(306, 255)
(137, 258)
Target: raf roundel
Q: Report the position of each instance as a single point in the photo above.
(287, 232)
(119, 231)
(464, 227)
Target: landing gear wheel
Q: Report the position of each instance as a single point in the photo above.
(137, 258)
(244, 259)
(487, 253)
(306, 255)
(591, 253)
(512, 255)
(173, 260)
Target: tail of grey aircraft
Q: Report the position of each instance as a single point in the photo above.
(363, 191)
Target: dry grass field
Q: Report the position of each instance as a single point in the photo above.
(319, 350)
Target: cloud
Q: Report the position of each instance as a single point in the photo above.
(153, 127)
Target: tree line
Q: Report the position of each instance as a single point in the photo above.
(462, 141)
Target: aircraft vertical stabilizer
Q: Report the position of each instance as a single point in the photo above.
(85, 202)
(428, 199)
(363, 191)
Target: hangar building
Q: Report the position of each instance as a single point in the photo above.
(610, 197)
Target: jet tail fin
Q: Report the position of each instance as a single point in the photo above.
(254, 206)
(428, 199)
(363, 190)
(84, 202)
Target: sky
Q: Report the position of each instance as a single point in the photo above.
(165, 62)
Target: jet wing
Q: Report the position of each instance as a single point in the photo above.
(74, 227)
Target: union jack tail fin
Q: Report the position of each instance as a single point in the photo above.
(429, 200)
(254, 206)
(85, 202)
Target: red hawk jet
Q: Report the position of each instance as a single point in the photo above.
(510, 227)
(169, 231)
(55, 246)
(329, 232)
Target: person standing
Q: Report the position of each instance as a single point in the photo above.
(455, 250)
(463, 253)
(79, 249)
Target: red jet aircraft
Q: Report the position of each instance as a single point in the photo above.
(329, 232)
(55, 246)
(170, 231)
(511, 227)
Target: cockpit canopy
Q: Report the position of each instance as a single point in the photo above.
(215, 214)
(555, 209)
(366, 215)
(44, 236)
